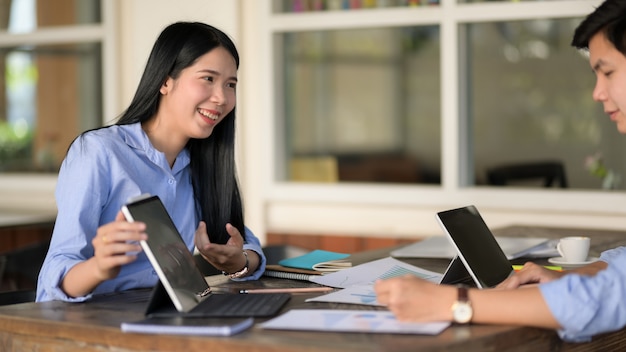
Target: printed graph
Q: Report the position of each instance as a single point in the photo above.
(396, 271)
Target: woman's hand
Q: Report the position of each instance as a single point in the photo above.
(226, 257)
(410, 298)
(117, 244)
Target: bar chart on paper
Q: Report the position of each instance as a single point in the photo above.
(396, 271)
(360, 295)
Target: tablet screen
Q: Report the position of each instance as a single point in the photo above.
(478, 249)
(168, 253)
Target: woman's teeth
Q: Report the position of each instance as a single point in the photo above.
(209, 115)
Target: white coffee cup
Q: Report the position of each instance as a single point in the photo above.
(574, 249)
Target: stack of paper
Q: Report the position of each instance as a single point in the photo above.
(358, 282)
(357, 285)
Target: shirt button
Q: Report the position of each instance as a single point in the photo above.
(171, 181)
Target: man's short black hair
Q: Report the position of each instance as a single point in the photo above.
(610, 18)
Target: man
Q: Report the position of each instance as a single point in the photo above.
(578, 303)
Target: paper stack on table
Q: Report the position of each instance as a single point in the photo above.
(358, 282)
(357, 287)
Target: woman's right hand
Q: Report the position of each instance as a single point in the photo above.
(117, 244)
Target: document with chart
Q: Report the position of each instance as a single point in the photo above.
(368, 273)
(350, 321)
(358, 282)
(357, 294)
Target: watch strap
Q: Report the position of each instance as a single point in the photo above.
(462, 294)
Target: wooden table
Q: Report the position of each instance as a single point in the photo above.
(60, 326)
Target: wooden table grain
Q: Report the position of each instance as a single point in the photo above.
(95, 325)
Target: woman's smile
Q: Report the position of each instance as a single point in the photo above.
(212, 115)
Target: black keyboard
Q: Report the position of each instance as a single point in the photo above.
(240, 305)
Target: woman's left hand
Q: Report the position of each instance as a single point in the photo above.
(226, 257)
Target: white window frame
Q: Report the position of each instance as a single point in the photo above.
(393, 210)
(35, 192)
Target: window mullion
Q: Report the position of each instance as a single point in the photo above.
(56, 35)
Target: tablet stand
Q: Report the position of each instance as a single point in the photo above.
(456, 273)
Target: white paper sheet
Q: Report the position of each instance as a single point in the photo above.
(350, 321)
(367, 273)
(358, 294)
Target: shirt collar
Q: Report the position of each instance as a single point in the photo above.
(136, 138)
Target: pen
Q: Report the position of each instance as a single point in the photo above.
(288, 290)
(551, 267)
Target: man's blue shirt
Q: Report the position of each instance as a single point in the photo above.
(588, 305)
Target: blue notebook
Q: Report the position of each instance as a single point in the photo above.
(319, 260)
(180, 325)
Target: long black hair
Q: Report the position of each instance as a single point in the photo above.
(609, 17)
(213, 171)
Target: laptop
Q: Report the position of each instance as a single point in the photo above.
(182, 288)
(513, 248)
(479, 260)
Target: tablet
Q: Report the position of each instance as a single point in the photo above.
(168, 253)
(181, 283)
(475, 246)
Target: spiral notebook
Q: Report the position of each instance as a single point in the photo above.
(319, 260)
(308, 265)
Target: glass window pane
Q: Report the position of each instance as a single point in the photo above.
(530, 100)
(361, 105)
(48, 94)
(18, 16)
(466, 1)
(334, 5)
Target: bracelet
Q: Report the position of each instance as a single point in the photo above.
(241, 272)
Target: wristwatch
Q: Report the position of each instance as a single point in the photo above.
(241, 272)
(462, 309)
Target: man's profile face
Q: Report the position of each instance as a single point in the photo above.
(609, 65)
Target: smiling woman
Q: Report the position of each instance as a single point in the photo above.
(176, 141)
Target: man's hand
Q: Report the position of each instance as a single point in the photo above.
(530, 273)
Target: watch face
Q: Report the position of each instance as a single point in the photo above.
(462, 312)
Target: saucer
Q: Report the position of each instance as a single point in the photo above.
(562, 262)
